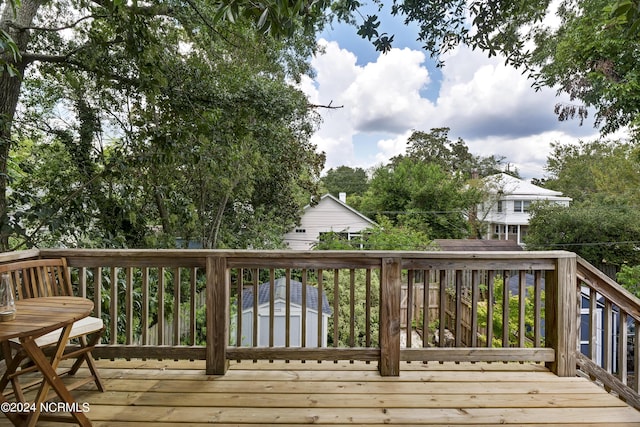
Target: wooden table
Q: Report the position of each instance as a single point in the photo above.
(34, 318)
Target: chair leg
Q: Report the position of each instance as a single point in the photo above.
(13, 363)
(87, 357)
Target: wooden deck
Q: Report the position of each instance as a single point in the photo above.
(165, 393)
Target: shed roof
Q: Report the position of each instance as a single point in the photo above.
(280, 293)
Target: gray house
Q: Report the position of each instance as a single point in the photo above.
(295, 331)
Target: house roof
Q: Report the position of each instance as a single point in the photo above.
(477, 245)
(280, 293)
(512, 186)
(344, 205)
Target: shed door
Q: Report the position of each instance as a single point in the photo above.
(279, 331)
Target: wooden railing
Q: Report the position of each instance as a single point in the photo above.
(364, 295)
(545, 307)
(609, 322)
(360, 312)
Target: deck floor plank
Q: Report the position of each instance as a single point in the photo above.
(162, 394)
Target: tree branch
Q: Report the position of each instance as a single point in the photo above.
(328, 106)
(19, 27)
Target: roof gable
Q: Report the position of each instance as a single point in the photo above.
(328, 198)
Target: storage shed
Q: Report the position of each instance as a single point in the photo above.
(279, 302)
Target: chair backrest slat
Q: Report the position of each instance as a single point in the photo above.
(39, 278)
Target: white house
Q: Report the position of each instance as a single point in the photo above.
(329, 215)
(280, 313)
(506, 211)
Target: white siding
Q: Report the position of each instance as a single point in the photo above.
(328, 215)
(506, 190)
(279, 326)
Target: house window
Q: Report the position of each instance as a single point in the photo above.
(521, 205)
(500, 206)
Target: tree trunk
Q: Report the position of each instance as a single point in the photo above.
(9, 93)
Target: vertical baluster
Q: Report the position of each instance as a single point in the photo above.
(537, 334)
(256, 297)
(593, 324)
(409, 319)
(636, 357)
(368, 307)
(113, 309)
(287, 321)
(321, 297)
(505, 309)
(272, 291)
(239, 306)
(160, 324)
(352, 310)
(475, 297)
(82, 282)
(443, 307)
(458, 284)
(177, 321)
(304, 309)
(336, 308)
(193, 278)
(622, 347)
(426, 299)
(522, 297)
(608, 334)
(320, 293)
(491, 277)
(129, 305)
(144, 321)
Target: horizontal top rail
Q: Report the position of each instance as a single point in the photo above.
(19, 255)
(608, 288)
(253, 258)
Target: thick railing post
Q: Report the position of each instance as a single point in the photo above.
(390, 289)
(561, 316)
(217, 316)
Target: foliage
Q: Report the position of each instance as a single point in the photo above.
(358, 317)
(514, 313)
(591, 169)
(421, 196)
(353, 181)
(592, 56)
(383, 237)
(629, 278)
(145, 157)
(453, 156)
(606, 231)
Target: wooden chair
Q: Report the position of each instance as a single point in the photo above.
(50, 277)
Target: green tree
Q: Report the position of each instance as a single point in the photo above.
(422, 196)
(383, 237)
(453, 156)
(111, 68)
(353, 181)
(629, 278)
(344, 315)
(605, 231)
(514, 313)
(588, 169)
(592, 56)
(189, 156)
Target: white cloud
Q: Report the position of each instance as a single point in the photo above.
(491, 106)
(392, 147)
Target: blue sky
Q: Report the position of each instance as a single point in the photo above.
(491, 106)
